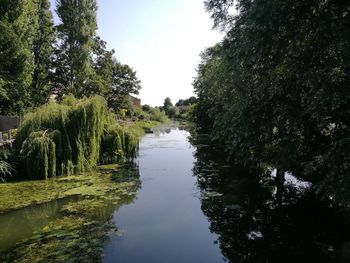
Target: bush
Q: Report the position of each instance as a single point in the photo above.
(157, 115)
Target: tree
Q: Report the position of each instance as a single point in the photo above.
(42, 51)
(74, 45)
(167, 104)
(274, 91)
(190, 101)
(124, 83)
(103, 65)
(146, 108)
(17, 27)
(170, 110)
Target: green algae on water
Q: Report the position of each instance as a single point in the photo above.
(80, 234)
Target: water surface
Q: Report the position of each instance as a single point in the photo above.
(165, 223)
(193, 207)
(22, 223)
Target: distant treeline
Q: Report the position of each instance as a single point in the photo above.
(276, 91)
(181, 110)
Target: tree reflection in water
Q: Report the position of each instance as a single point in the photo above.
(252, 227)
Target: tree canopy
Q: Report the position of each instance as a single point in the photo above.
(275, 91)
(38, 58)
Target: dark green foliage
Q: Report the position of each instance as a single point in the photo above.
(37, 58)
(124, 83)
(26, 45)
(75, 42)
(103, 68)
(275, 90)
(169, 109)
(16, 61)
(146, 108)
(185, 108)
(187, 102)
(42, 51)
(167, 104)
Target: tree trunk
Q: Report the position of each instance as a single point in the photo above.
(279, 186)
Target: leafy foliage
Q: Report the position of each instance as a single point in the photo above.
(169, 109)
(157, 115)
(5, 167)
(274, 91)
(75, 42)
(43, 53)
(16, 61)
(190, 101)
(73, 137)
(124, 82)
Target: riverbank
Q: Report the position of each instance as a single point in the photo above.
(16, 195)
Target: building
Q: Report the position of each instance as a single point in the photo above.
(135, 101)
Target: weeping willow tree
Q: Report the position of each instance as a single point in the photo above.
(40, 155)
(118, 144)
(62, 139)
(71, 138)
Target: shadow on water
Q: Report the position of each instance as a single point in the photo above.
(252, 227)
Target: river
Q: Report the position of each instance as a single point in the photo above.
(165, 223)
(190, 206)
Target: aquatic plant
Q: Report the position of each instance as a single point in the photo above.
(79, 232)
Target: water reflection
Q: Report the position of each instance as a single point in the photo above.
(252, 227)
(165, 223)
(20, 224)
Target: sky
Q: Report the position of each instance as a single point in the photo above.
(160, 39)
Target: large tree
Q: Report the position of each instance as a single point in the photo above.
(76, 34)
(276, 89)
(42, 51)
(17, 26)
(124, 83)
(103, 64)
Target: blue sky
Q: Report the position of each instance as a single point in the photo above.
(160, 39)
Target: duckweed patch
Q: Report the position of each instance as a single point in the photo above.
(79, 235)
(70, 239)
(21, 194)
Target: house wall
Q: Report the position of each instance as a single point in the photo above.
(8, 123)
(135, 101)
